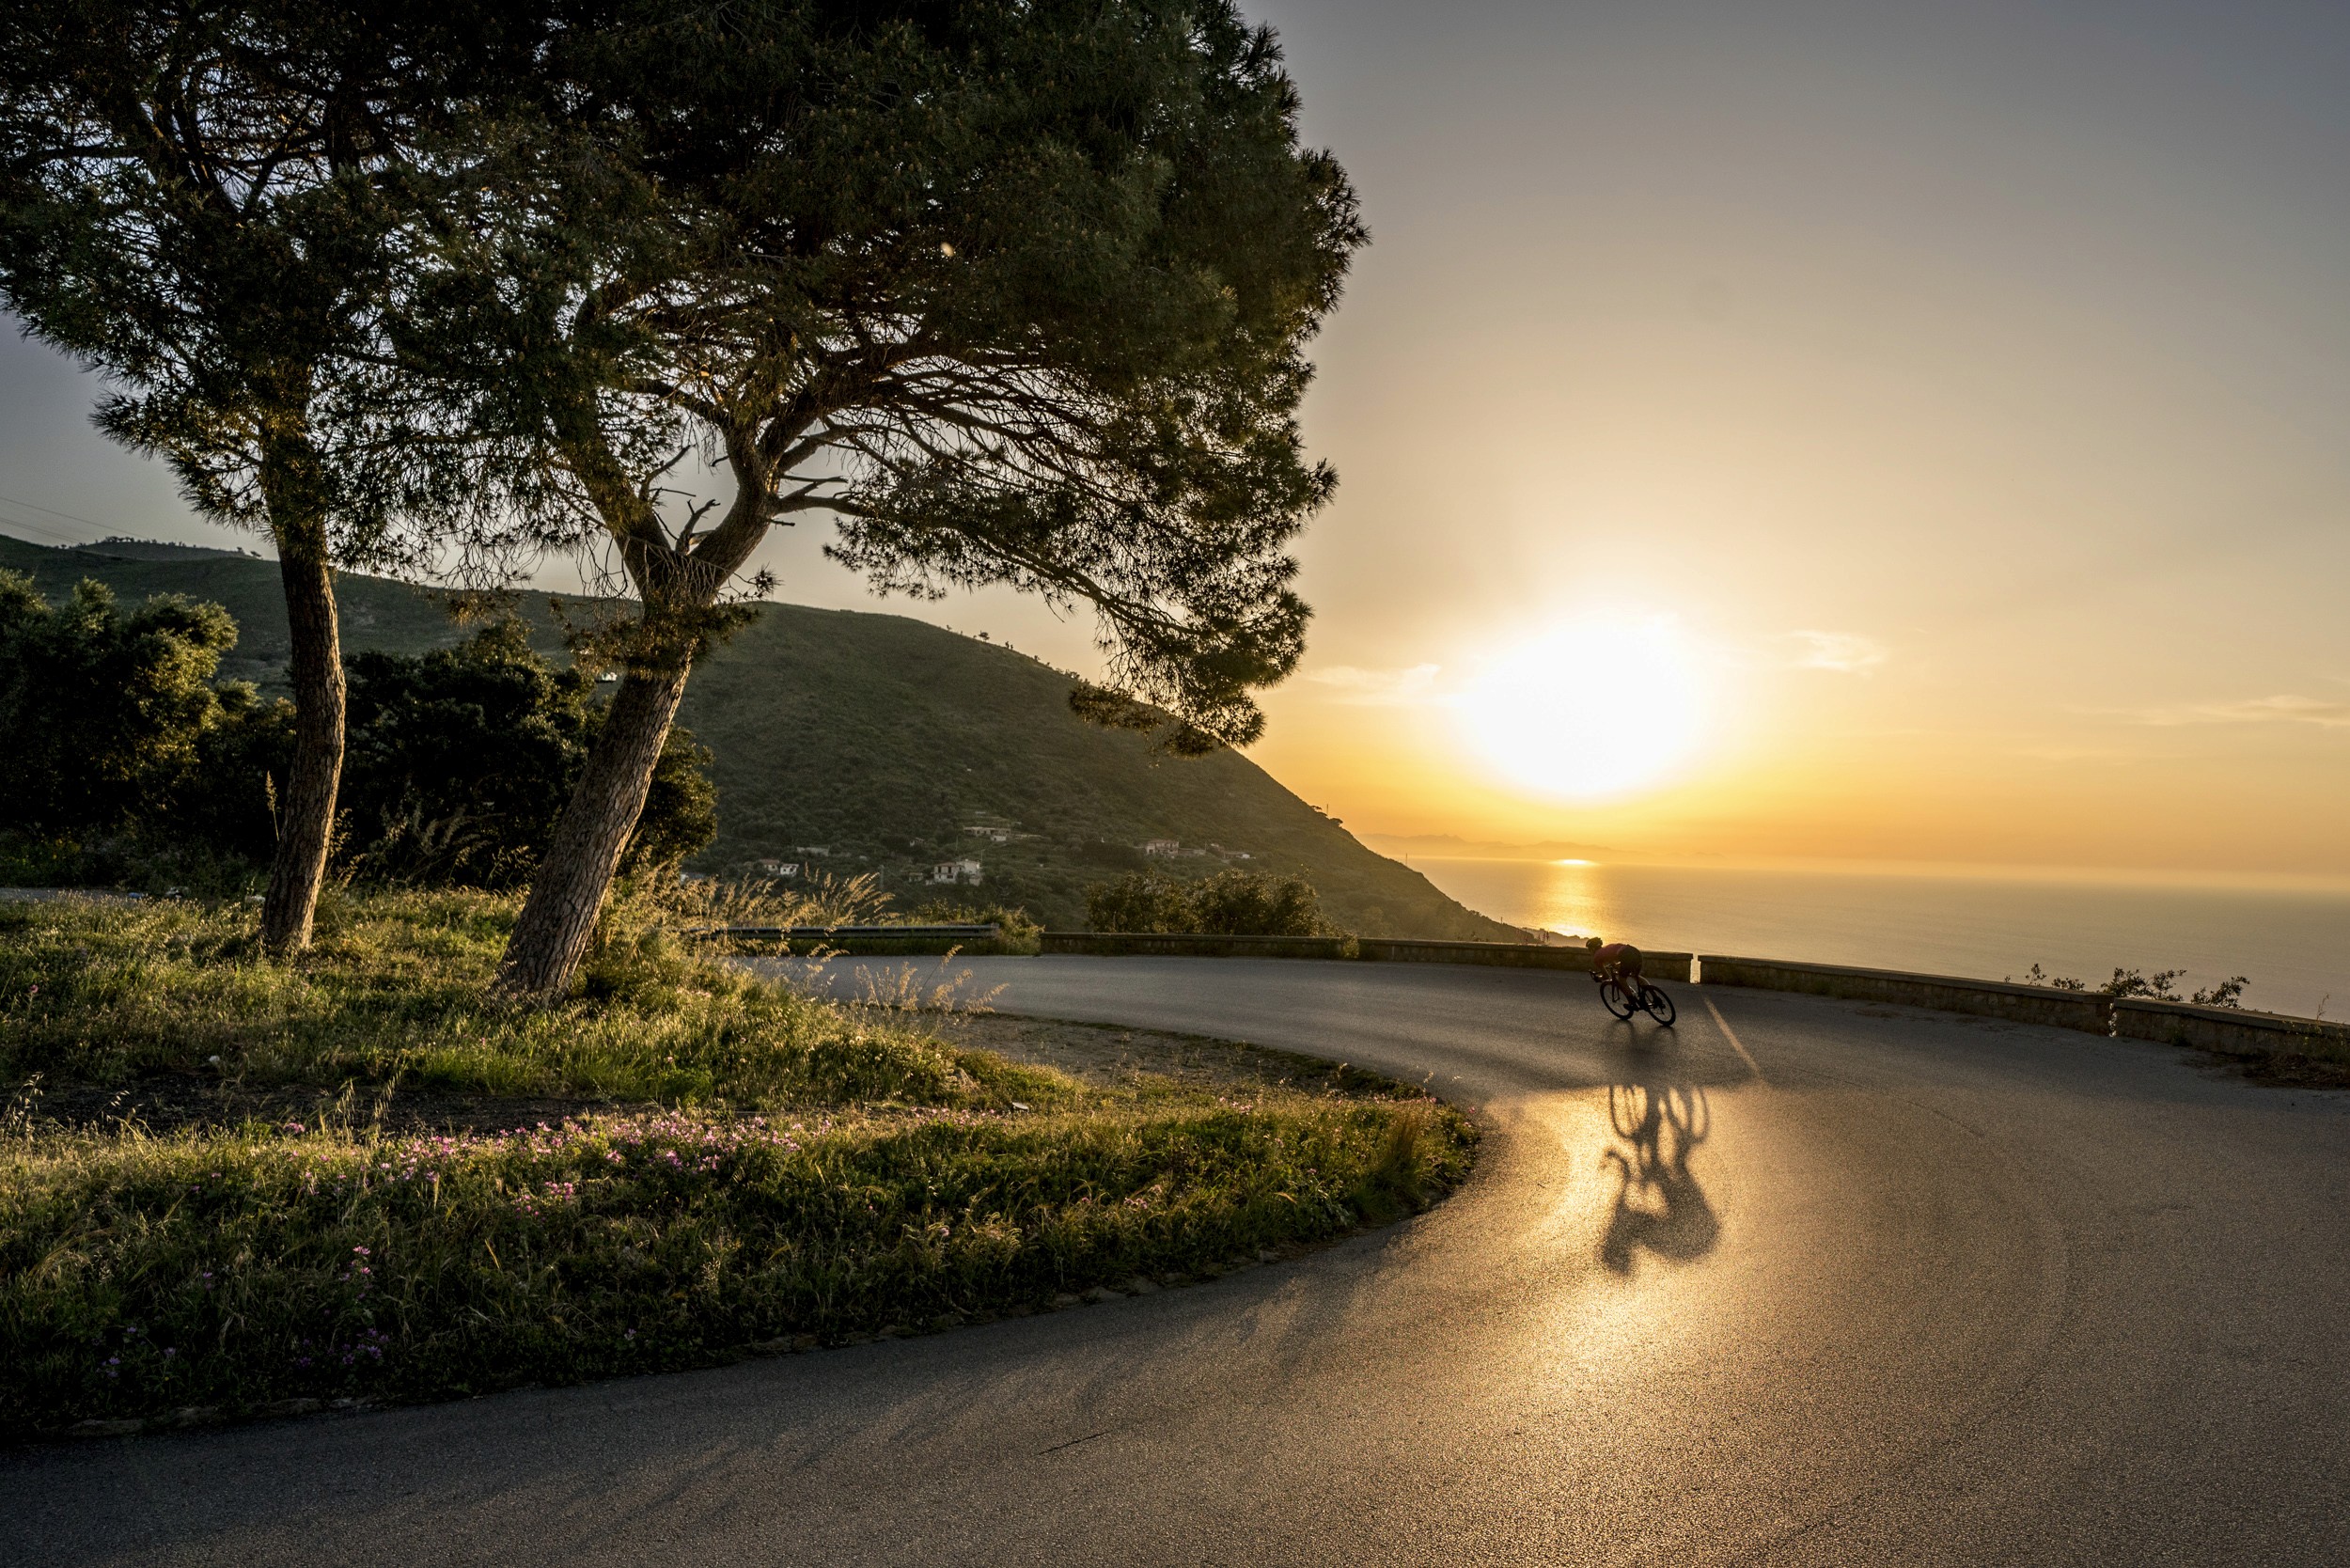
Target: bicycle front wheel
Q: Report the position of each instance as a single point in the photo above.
(1660, 1007)
(1614, 999)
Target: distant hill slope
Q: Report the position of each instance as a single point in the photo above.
(885, 740)
(376, 613)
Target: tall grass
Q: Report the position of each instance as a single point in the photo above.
(815, 898)
(809, 1171)
(139, 1276)
(398, 987)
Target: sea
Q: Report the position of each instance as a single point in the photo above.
(2293, 945)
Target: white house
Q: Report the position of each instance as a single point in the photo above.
(1162, 848)
(779, 871)
(956, 871)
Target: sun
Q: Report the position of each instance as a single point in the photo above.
(1592, 709)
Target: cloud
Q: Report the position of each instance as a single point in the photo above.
(2284, 708)
(1379, 688)
(1845, 652)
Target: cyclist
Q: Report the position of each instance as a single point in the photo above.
(1618, 962)
(1623, 988)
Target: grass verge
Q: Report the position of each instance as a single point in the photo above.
(397, 989)
(763, 1169)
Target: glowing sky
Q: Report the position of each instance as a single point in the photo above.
(1958, 396)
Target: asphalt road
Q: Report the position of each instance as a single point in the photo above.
(1852, 1284)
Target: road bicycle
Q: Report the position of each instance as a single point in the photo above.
(1624, 999)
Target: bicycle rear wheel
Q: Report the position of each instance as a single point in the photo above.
(1614, 999)
(1660, 1007)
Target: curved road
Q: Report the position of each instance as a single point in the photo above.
(1812, 1282)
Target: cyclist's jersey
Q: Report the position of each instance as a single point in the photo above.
(1621, 958)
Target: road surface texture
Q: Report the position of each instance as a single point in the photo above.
(1800, 1281)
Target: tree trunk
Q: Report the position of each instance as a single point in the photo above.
(559, 917)
(306, 815)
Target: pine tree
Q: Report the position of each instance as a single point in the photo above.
(1009, 293)
(207, 202)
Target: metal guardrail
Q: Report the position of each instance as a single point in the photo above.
(988, 933)
(869, 941)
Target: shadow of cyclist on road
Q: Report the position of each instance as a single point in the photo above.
(1660, 1209)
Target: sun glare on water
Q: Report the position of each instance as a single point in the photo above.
(1591, 710)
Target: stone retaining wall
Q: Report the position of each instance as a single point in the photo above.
(2024, 1004)
(1378, 949)
(2231, 1030)
(1512, 955)
(2214, 1029)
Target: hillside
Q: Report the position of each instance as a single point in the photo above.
(883, 740)
(376, 613)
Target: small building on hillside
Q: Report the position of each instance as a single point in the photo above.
(994, 832)
(778, 870)
(1164, 849)
(956, 871)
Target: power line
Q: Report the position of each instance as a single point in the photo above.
(49, 531)
(71, 517)
(60, 537)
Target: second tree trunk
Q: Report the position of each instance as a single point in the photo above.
(306, 808)
(559, 919)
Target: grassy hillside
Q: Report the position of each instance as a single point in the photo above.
(885, 738)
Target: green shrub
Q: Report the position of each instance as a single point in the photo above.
(104, 717)
(2160, 986)
(460, 761)
(1230, 903)
(124, 763)
(1021, 933)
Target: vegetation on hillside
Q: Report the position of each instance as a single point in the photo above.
(1228, 903)
(460, 761)
(378, 614)
(885, 740)
(730, 1165)
(210, 206)
(124, 758)
(113, 722)
(882, 739)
